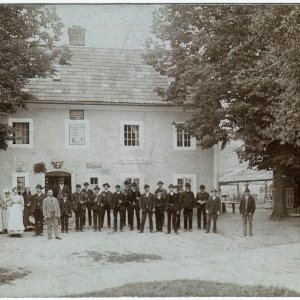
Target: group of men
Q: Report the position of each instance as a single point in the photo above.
(128, 205)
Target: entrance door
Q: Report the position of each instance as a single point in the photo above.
(52, 179)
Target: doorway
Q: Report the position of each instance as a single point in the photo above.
(52, 180)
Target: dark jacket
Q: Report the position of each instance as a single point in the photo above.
(163, 192)
(96, 201)
(89, 195)
(134, 198)
(78, 201)
(37, 202)
(106, 199)
(187, 200)
(173, 202)
(118, 201)
(27, 200)
(65, 207)
(127, 195)
(160, 204)
(250, 207)
(58, 193)
(213, 206)
(147, 203)
(201, 197)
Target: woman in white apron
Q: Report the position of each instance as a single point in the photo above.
(15, 214)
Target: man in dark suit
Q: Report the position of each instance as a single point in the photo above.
(172, 206)
(126, 193)
(164, 193)
(106, 200)
(147, 205)
(119, 206)
(134, 207)
(65, 213)
(61, 189)
(160, 207)
(201, 199)
(247, 209)
(78, 202)
(177, 191)
(188, 203)
(97, 207)
(89, 197)
(37, 210)
(213, 208)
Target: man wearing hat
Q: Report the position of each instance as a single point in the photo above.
(213, 208)
(98, 209)
(65, 211)
(61, 189)
(188, 202)
(37, 210)
(134, 206)
(3, 211)
(127, 192)
(201, 199)
(27, 207)
(118, 205)
(89, 197)
(173, 206)
(164, 193)
(148, 207)
(247, 209)
(178, 192)
(106, 200)
(78, 202)
(160, 207)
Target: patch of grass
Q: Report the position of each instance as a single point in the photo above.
(115, 257)
(7, 276)
(191, 288)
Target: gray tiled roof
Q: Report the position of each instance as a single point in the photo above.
(101, 75)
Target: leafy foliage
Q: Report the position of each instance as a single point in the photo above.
(27, 50)
(238, 68)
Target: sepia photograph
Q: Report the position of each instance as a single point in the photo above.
(149, 149)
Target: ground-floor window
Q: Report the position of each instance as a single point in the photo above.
(182, 179)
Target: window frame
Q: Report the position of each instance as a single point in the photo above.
(141, 134)
(192, 146)
(11, 121)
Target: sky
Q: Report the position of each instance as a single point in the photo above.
(120, 26)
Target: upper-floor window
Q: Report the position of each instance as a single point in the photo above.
(132, 134)
(183, 140)
(22, 132)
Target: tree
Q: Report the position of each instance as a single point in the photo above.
(27, 50)
(237, 67)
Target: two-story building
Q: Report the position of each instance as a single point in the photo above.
(100, 120)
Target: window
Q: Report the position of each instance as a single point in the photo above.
(183, 140)
(20, 180)
(23, 132)
(94, 180)
(76, 130)
(21, 184)
(131, 135)
(182, 179)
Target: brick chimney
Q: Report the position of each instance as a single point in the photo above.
(76, 36)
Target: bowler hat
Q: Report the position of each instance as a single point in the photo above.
(146, 186)
(202, 187)
(78, 185)
(65, 195)
(86, 183)
(133, 184)
(160, 182)
(38, 186)
(171, 185)
(187, 184)
(96, 188)
(106, 184)
(247, 190)
(214, 190)
(126, 182)
(117, 186)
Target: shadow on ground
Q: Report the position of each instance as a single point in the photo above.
(7, 276)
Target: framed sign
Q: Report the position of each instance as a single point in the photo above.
(77, 133)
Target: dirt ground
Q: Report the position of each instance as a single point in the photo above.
(87, 262)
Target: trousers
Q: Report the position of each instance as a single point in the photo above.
(172, 219)
(213, 217)
(97, 219)
(201, 211)
(121, 212)
(188, 218)
(247, 219)
(38, 226)
(131, 210)
(159, 219)
(79, 219)
(64, 222)
(144, 216)
(52, 222)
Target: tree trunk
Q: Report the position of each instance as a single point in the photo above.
(279, 207)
